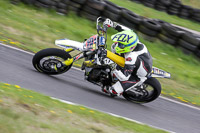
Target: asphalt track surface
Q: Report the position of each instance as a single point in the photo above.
(16, 68)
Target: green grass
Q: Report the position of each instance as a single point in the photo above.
(25, 111)
(152, 13)
(33, 30)
(41, 30)
(193, 3)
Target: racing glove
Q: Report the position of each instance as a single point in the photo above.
(110, 23)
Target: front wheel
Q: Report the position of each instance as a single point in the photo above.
(149, 91)
(49, 61)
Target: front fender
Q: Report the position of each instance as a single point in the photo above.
(66, 43)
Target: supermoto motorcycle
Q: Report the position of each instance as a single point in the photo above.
(54, 61)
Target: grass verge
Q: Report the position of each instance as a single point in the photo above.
(32, 29)
(25, 111)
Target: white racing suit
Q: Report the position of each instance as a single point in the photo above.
(138, 64)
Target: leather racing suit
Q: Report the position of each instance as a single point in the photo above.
(138, 64)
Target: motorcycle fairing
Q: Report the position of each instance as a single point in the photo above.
(90, 44)
(68, 44)
(68, 61)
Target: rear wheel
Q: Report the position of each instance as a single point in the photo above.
(149, 91)
(49, 61)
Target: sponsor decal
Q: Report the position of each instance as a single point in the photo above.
(128, 59)
(158, 71)
(132, 47)
(77, 57)
(122, 37)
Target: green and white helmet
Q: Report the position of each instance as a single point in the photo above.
(126, 41)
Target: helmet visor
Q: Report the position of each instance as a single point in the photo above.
(120, 45)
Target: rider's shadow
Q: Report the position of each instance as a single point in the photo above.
(89, 89)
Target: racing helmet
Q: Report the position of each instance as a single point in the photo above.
(125, 41)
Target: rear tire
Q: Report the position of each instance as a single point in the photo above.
(152, 95)
(51, 56)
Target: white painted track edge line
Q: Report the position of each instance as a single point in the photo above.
(68, 102)
(12, 47)
(177, 102)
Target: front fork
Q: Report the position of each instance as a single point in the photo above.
(77, 57)
(69, 61)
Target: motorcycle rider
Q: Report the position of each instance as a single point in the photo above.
(138, 61)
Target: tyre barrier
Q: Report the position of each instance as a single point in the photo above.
(130, 19)
(149, 3)
(170, 34)
(188, 42)
(150, 27)
(185, 12)
(162, 5)
(112, 11)
(173, 7)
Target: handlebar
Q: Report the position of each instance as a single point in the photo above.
(101, 19)
(102, 29)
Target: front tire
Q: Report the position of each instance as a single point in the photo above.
(49, 61)
(148, 95)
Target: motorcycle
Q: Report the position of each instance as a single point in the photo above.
(53, 61)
